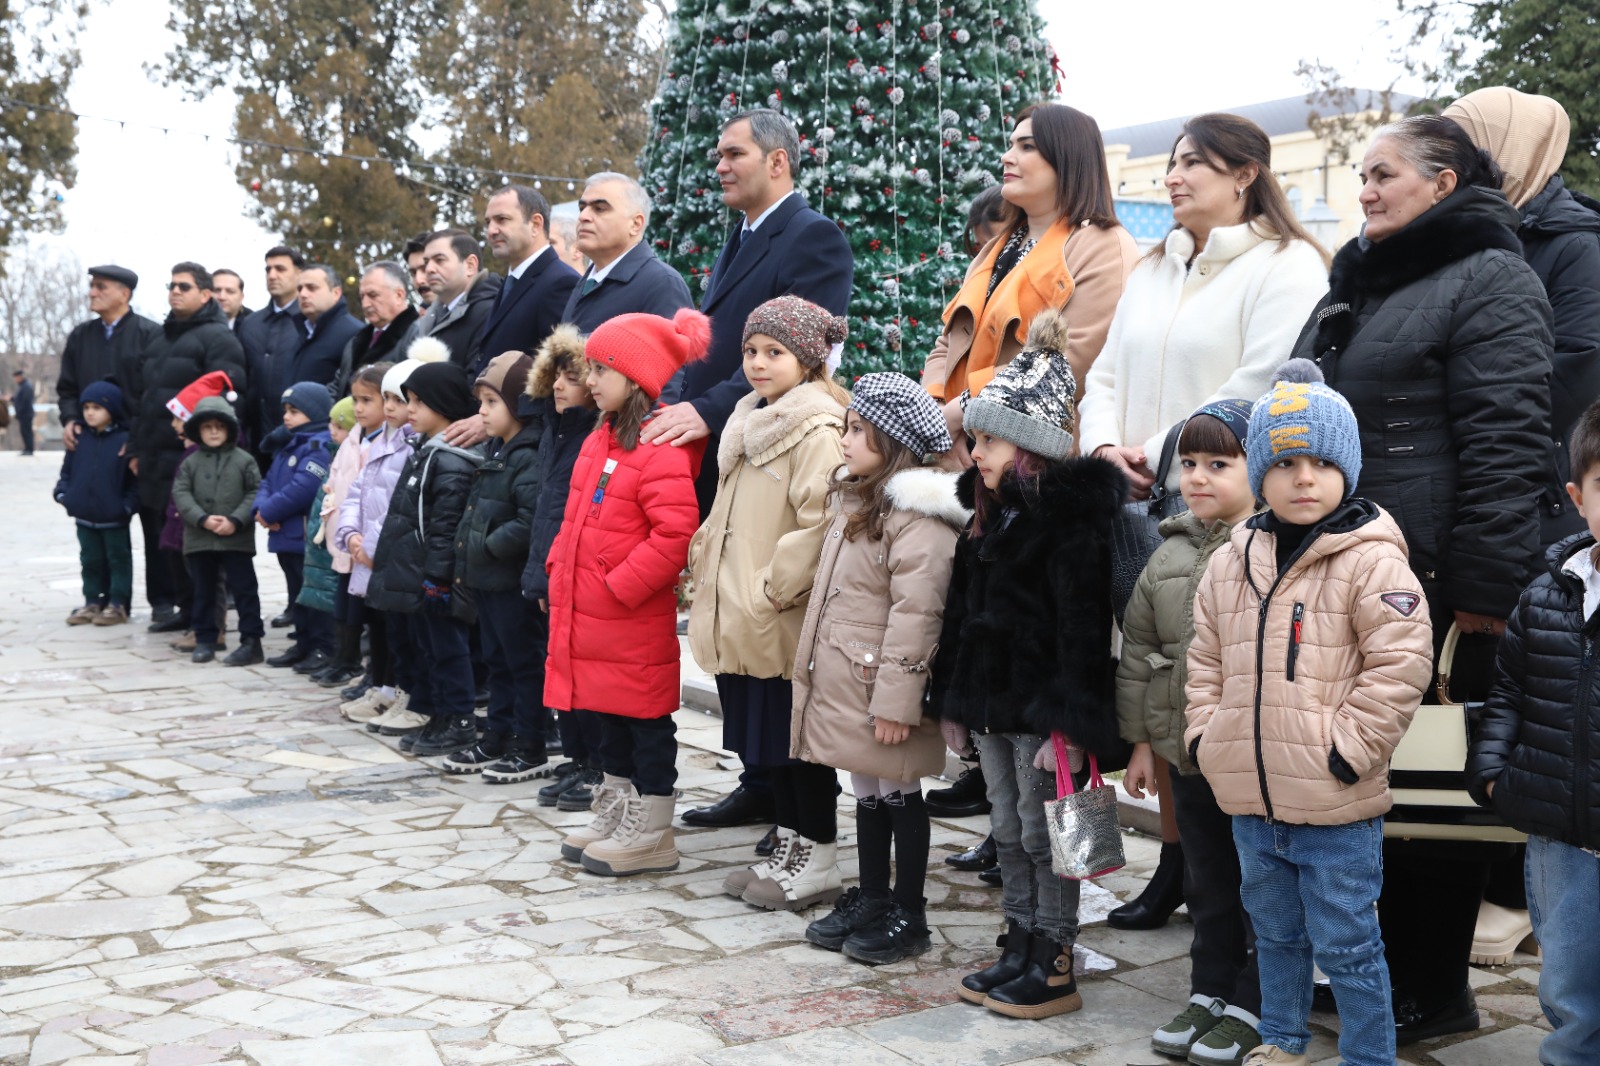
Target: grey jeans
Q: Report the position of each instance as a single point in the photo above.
(1033, 897)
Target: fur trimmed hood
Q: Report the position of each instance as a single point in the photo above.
(930, 492)
(761, 433)
(565, 344)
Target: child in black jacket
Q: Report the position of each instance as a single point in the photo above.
(556, 390)
(1536, 761)
(491, 551)
(414, 572)
(99, 491)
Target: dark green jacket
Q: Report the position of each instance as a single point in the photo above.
(492, 540)
(217, 481)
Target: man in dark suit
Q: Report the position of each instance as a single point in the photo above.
(228, 289)
(327, 328)
(108, 345)
(270, 336)
(463, 295)
(386, 305)
(624, 276)
(779, 246)
(537, 283)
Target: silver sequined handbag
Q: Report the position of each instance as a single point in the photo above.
(1085, 836)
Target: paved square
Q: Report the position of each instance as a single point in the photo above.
(206, 865)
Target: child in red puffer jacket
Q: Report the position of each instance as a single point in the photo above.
(613, 570)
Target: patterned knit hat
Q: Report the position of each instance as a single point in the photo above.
(1301, 415)
(809, 331)
(215, 383)
(1030, 401)
(902, 409)
(343, 414)
(507, 374)
(1233, 414)
(649, 349)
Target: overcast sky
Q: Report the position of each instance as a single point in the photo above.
(147, 199)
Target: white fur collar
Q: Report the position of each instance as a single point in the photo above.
(927, 491)
(762, 434)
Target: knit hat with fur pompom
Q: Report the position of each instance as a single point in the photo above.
(1031, 400)
(809, 331)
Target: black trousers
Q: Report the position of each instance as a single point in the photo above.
(507, 626)
(158, 579)
(1222, 959)
(444, 663)
(25, 427)
(404, 658)
(644, 750)
(238, 572)
(313, 628)
(804, 800)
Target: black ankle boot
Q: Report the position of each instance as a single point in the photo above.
(1014, 944)
(1044, 989)
(1160, 897)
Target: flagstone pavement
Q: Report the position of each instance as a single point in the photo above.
(206, 865)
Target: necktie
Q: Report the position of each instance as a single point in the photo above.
(589, 285)
(377, 331)
(505, 292)
(110, 330)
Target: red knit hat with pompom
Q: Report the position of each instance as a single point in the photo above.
(648, 349)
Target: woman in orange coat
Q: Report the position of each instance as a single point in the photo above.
(1060, 247)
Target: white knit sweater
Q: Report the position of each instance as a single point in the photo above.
(1185, 334)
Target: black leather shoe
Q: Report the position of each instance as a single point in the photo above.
(283, 621)
(768, 843)
(991, 877)
(174, 622)
(966, 797)
(566, 775)
(1458, 1015)
(357, 690)
(248, 653)
(294, 654)
(316, 662)
(1014, 945)
(739, 807)
(979, 857)
(1160, 897)
(335, 674)
(203, 653)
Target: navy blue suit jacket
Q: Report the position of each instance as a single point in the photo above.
(638, 283)
(794, 251)
(521, 321)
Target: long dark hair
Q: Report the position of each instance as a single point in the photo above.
(1228, 143)
(1026, 470)
(873, 489)
(628, 422)
(1071, 143)
(989, 210)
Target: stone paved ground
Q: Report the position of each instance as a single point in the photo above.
(202, 865)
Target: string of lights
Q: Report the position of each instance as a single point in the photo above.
(248, 144)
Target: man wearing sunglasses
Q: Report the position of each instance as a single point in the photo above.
(194, 340)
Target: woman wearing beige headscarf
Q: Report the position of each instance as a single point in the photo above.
(1560, 231)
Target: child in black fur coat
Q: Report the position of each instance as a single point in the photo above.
(1026, 649)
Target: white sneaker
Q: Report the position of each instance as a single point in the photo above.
(398, 719)
(810, 875)
(365, 707)
(735, 883)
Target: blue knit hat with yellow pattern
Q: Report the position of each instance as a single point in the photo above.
(1302, 415)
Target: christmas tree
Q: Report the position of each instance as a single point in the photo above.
(904, 110)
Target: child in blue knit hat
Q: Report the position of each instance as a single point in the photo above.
(291, 485)
(98, 489)
(1311, 652)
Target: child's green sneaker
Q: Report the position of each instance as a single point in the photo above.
(1178, 1036)
(1235, 1035)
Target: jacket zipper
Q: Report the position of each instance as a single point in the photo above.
(1261, 660)
(1580, 789)
(1294, 637)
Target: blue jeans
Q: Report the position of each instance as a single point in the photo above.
(1564, 904)
(1312, 894)
(1033, 896)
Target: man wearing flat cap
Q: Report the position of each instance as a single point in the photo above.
(106, 346)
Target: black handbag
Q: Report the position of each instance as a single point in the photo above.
(1136, 531)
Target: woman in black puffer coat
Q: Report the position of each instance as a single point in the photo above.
(1560, 229)
(1439, 334)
